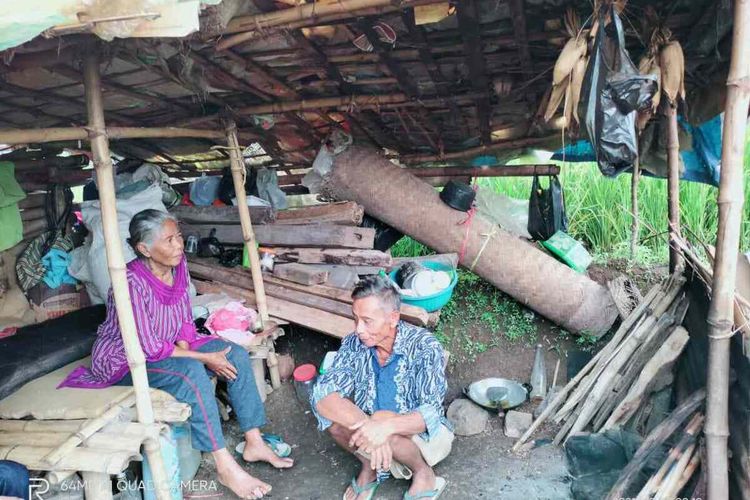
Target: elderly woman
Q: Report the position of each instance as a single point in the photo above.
(178, 360)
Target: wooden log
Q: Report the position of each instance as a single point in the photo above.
(346, 213)
(344, 257)
(58, 134)
(358, 270)
(35, 226)
(64, 162)
(321, 235)
(452, 258)
(660, 363)
(655, 438)
(604, 352)
(414, 208)
(300, 273)
(688, 438)
(479, 150)
(97, 134)
(301, 294)
(320, 103)
(499, 171)
(730, 201)
(221, 215)
(305, 12)
(309, 317)
(34, 200)
(32, 213)
(629, 344)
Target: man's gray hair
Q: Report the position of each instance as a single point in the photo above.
(145, 227)
(380, 287)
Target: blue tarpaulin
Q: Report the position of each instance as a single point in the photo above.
(702, 159)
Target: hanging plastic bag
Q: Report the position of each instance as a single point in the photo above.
(546, 209)
(204, 190)
(613, 92)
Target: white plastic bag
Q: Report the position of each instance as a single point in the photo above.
(89, 262)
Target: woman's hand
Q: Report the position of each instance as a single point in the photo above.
(218, 363)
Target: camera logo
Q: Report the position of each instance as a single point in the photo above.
(38, 486)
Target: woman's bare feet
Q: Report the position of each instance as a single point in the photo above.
(256, 450)
(260, 452)
(366, 475)
(234, 477)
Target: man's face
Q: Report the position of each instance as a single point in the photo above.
(372, 322)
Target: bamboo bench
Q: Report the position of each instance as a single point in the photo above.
(92, 432)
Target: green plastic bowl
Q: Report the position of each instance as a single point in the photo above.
(431, 303)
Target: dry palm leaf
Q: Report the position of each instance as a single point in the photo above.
(576, 82)
(555, 98)
(672, 63)
(569, 61)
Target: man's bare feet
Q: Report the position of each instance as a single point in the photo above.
(422, 480)
(234, 477)
(261, 452)
(366, 475)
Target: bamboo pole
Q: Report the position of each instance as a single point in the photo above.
(312, 12)
(238, 176)
(115, 259)
(354, 101)
(730, 201)
(673, 186)
(489, 148)
(54, 134)
(97, 486)
(634, 226)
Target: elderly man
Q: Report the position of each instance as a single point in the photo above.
(382, 400)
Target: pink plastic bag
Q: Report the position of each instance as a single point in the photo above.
(233, 316)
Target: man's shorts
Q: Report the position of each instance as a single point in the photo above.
(433, 451)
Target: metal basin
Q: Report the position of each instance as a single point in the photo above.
(496, 393)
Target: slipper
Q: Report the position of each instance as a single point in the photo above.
(440, 484)
(274, 442)
(358, 490)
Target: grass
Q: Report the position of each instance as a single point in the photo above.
(598, 210)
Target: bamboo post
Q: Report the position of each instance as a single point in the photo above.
(634, 227)
(238, 176)
(115, 259)
(730, 200)
(673, 186)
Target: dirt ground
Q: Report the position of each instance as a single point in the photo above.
(479, 466)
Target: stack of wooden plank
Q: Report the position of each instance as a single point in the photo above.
(318, 307)
(612, 389)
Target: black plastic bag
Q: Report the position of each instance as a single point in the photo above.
(546, 209)
(613, 91)
(226, 185)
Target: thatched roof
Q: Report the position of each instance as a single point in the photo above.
(475, 78)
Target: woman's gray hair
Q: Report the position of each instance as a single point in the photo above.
(380, 287)
(145, 227)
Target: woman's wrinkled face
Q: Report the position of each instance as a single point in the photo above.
(168, 245)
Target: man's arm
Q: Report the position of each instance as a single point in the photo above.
(340, 410)
(328, 401)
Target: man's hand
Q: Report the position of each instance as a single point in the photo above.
(218, 363)
(381, 457)
(370, 434)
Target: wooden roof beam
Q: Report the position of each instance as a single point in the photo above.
(519, 30)
(468, 22)
(438, 79)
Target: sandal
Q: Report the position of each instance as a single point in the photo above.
(440, 484)
(279, 447)
(358, 490)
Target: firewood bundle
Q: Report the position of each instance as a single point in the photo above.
(683, 428)
(614, 386)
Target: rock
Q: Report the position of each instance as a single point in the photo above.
(286, 366)
(516, 423)
(467, 418)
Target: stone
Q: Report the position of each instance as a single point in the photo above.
(286, 366)
(516, 423)
(467, 418)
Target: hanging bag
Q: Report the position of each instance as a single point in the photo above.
(546, 209)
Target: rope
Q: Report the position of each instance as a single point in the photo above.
(467, 221)
(487, 238)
